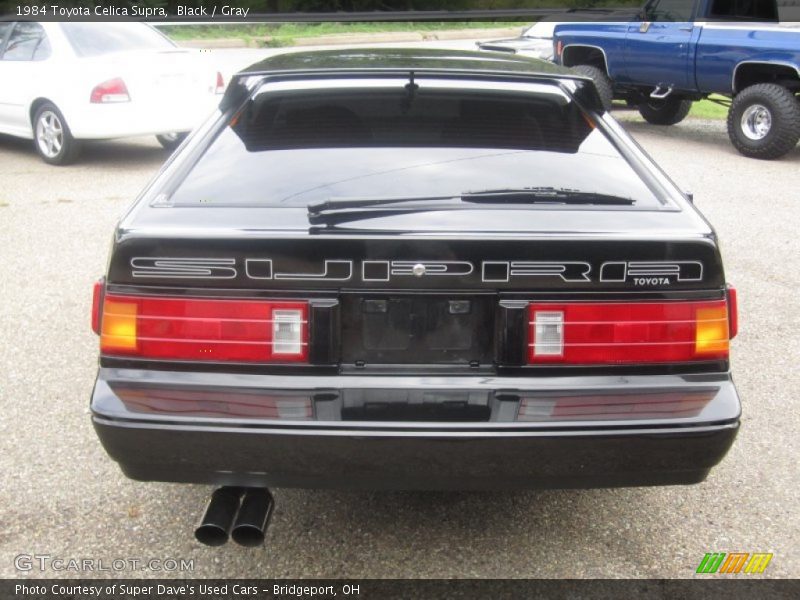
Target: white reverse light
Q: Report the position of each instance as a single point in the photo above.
(287, 331)
(548, 333)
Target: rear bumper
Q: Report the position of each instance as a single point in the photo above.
(678, 443)
(129, 119)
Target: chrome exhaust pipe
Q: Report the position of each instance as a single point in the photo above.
(215, 526)
(253, 518)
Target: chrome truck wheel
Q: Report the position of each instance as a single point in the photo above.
(756, 122)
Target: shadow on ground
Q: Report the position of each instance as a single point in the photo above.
(116, 153)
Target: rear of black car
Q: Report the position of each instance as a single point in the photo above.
(432, 277)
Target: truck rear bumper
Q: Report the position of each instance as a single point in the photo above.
(532, 432)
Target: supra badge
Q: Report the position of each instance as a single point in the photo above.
(637, 273)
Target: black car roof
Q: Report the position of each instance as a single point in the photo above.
(406, 58)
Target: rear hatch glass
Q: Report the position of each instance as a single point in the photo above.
(292, 147)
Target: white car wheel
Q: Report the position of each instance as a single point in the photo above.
(52, 138)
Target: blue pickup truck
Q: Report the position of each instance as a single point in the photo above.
(679, 51)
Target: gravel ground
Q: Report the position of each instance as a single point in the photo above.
(63, 497)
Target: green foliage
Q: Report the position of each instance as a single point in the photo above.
(706, 109)
(284, 34)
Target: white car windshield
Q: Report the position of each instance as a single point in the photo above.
(95, 39)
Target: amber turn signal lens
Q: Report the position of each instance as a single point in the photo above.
(711, 334)
(118, 328)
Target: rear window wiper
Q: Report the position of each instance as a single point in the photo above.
(335, 204)
(343, 209)
(544, 195)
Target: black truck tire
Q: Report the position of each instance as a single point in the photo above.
(764, 121)
(601, 81)
(668, 111)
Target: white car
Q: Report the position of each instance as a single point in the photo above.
(65, 82)
(536, 41)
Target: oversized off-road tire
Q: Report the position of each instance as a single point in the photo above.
(764, 121)
(601, 81)
(170, 141)
(52, 137)
(668, 111)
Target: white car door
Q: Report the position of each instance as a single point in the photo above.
(23, 64)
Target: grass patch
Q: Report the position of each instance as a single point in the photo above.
(277, 42)
(705, 109)
(283, 33)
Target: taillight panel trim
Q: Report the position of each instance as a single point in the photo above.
(510, 344)
(98, 293)
(733, 311)
(325, 331)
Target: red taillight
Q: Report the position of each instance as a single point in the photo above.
(616, 332)
(733, 312)
(220, 86)
(113, 90)
(559, 48)
(97, 304)
(204, 329)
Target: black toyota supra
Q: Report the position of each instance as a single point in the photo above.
(411, 269)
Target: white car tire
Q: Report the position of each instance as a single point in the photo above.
(170, 141)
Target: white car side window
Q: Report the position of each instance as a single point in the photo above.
(27, 42)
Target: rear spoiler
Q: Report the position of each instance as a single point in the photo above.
(244, 83)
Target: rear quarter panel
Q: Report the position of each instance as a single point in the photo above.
(722, 47)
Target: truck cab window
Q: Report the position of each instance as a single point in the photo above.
(744, 10)
(670, 10)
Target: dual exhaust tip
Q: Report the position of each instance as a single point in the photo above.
(242, 514)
